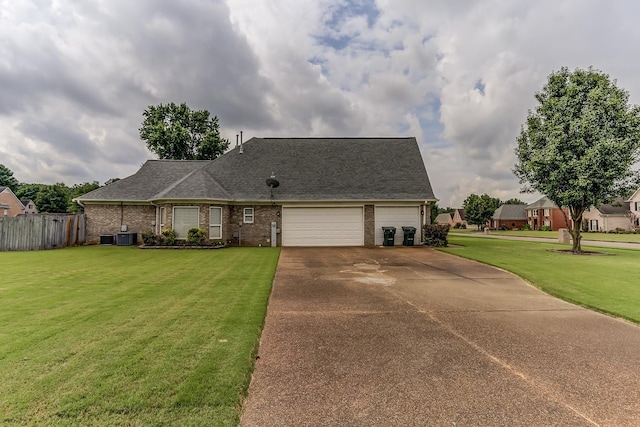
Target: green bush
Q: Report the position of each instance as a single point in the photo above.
(525, 227)
(169, 236)
(149, 238)
(196, 236)
(436, 234)
(545, 228)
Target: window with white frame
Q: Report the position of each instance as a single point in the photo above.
(534, 212)
(185, 218)
(547, 223)
(215, 223)
(161, 219)
(546, 212)
(248, 216)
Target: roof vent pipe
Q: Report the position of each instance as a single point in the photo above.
(237, 136)
(241, 149)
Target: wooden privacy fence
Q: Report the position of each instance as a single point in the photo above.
(41, 231)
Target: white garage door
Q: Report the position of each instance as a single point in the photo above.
(397, 216)
(322, 227)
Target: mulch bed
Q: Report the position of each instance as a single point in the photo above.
(570, 252)
(183, 247)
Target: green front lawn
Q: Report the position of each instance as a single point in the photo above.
(607, 283)
(600, 237)
(122, 336)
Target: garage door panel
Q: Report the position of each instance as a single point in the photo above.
(322, 226)
(398, 217)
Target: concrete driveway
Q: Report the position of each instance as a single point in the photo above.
(413, 337)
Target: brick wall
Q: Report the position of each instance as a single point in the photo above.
(369, 225)
(257, 233)
(105, 219)
(15, 206)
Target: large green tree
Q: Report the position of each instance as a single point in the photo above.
(53, 199)
(514, 201)
(579, 144)
(7, 179)
(78, 190)
(29, 191)
(478, 210)
(176, 132)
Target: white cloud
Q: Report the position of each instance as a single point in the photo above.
(457, 74)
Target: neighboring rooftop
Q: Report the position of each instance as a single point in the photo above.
(542, 203)
(513, 212)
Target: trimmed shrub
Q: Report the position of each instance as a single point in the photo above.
(149, 238)
(196, 236)
(525, 227)
(169, 236)
(436, 235)
(545, 228)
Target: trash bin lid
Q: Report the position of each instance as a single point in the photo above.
(389, 228)
(408, 228)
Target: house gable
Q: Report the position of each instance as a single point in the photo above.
(9, 199)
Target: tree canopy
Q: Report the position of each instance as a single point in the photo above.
(514, 201)
(7, 179)
(176, 132)
(579, 144)
(478, 210)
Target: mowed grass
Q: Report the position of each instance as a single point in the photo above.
(607, 283)
(600, 237)
(129, 337)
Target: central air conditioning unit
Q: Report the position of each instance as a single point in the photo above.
(127, 239)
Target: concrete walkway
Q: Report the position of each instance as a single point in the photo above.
(596, 243)
(414, 337)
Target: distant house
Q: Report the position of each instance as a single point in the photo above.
(444, 218)
(509, 216)
(545, 213)
(29, 207)
(13, 205)
(634, 207)
(608, 217)
(452, 218)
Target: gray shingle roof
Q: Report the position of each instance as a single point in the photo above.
(543, 203)
(308, 169)
(443, 218)
(512, 212)
(617, 207)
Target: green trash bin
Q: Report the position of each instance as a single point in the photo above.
(409, 236)
(389, 236)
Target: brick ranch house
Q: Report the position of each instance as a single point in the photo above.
(330, 192)
(509, 216)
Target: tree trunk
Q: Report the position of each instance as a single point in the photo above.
(576, 237)
(576, 230)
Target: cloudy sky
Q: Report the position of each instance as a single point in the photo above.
(459, 75)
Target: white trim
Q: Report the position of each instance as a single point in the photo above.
(246, 215)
